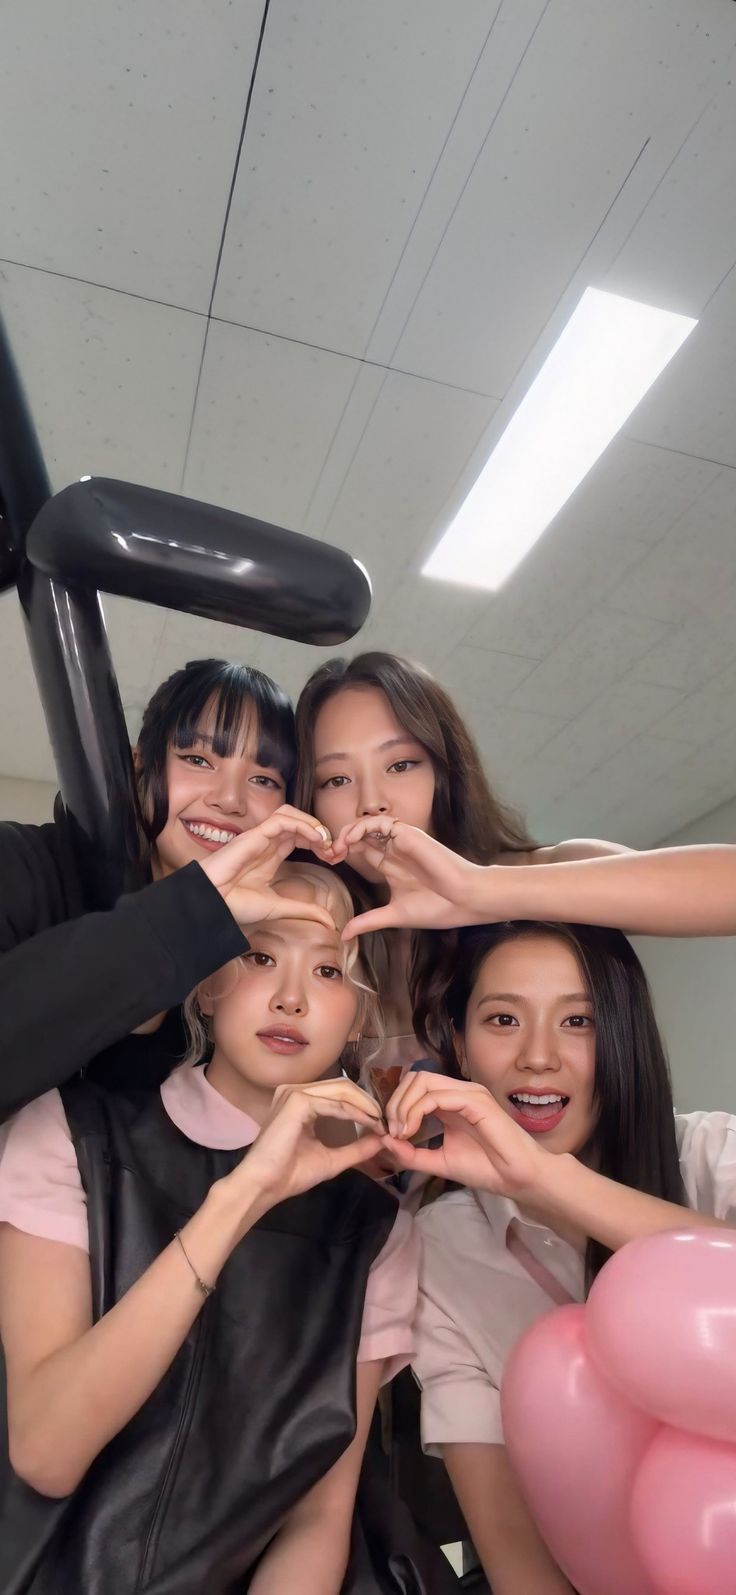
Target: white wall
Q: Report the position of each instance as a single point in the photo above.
(694, 987)
(31, 801)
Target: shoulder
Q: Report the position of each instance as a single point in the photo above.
(453, 1227)
(578, 847)
(40, 1185)
(706, 1144)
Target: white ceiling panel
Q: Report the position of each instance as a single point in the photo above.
(486, 675)
(685, 241)
(691, 653)
(596, 652)
(119, 129)
(352, 105)
(507, 737)
(267, 411)
(692, 565)
(110, 379)
(134, 632)
(706, 714)
(422, 619)
(414, 447)
(562, 146)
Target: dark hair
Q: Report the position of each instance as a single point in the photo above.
(174, 713)
(633, 1140)
(466, 814)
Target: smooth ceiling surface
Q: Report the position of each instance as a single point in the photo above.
(303, 260)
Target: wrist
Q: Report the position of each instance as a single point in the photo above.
(237, 1202)
(554, 1189)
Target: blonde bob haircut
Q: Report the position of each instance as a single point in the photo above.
(327, 891)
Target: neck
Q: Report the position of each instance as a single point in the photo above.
(249, 1097)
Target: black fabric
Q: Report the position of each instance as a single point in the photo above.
(257, 1405)
(73, 983)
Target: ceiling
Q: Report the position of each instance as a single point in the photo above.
(303, 260)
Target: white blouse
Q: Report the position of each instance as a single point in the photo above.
(476, 1298)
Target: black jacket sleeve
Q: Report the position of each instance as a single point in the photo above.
(71, 990)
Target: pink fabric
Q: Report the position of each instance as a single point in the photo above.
(41, 1193)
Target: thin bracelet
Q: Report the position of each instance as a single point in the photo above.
(207, 1290)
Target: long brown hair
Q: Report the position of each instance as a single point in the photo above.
(633, 1140)
(466, 814)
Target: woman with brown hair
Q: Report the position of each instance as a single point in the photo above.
(378, 737)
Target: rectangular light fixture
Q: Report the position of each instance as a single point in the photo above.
(608, 355)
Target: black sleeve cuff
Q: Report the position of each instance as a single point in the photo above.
(193, 923)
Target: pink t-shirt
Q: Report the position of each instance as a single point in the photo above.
(41, 1193)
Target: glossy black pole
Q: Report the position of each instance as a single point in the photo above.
(73, 668)
(24, 483)
(186, 555)
(88, 734)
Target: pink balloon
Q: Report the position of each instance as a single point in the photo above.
(661, 1325)
(683, 1514)
(576, 1447)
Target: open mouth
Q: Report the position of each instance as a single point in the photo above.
(209, 836)
(537, 1111)
(283, 1039)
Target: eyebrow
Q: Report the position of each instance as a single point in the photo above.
(209, 742)
(515, 996)
(393, 742)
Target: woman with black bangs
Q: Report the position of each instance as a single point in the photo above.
(562, 1132)
(214, 759)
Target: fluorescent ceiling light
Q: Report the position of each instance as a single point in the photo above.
(608, 355)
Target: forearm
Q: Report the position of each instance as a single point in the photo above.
(515, 1559)
(71, 991)
(576, 1197)
(515, 1564)
(79, 1397)
(306, 1558)
(684, 891)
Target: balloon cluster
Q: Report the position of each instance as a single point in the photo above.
(620, 1420)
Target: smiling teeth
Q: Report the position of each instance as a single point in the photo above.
(524, 1096)
(209, 833)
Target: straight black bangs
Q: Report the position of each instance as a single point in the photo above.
(245, 699)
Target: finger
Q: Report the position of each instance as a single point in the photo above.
(288, 908)
(368, 824)
(345, 1091)
(385, 918)
(366, 852)
(419, 1159)
(350, 1157)
(296, 823)
(412, 1089)
(319, 1103)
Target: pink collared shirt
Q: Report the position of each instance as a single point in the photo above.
(41, 1193)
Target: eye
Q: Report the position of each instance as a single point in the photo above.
(335, 781)
(579, 1021)
(269, 782)
(400, 766)
(502, 1021)
(329, 972)
(260, 960)
(197, 760)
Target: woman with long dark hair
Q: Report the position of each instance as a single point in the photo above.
(215, 757)
(562, 1131)
(378, 739)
